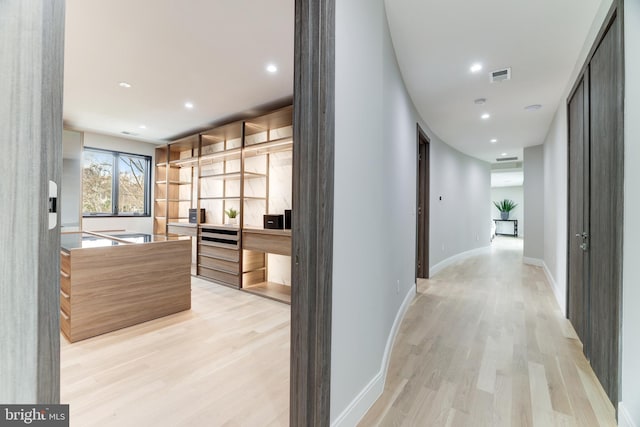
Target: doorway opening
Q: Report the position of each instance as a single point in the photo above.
(422, 252)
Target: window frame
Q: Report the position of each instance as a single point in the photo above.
(115, 185)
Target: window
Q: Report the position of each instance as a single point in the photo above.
(115, 184)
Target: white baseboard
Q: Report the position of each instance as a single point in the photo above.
(624, 418)
(533, 261)
(359, 406)
(560, 299)
(458, 257)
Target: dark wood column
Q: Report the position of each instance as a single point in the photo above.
(312, 228)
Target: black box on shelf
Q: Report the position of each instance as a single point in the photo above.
(273, 221)
(287, 219)
(193, 216)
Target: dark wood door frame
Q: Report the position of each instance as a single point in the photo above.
(422, 204)
(312, 213)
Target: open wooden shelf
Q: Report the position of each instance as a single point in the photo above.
(274, 291)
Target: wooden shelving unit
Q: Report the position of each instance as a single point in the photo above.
(267, 168)
(244, 165)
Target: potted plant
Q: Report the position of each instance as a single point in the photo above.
(505, 207)
(233, 216)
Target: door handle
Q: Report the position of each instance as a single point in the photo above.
(584, 235)
(584, 246)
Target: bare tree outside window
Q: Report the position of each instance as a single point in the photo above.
(105, 195)
(132, 185)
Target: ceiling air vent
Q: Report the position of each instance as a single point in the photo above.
(500, 75)
(506, 159)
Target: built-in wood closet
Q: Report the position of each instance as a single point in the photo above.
(595, 175)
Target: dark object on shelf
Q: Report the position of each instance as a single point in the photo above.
(274, 221)
(287, 219)
(193, 216)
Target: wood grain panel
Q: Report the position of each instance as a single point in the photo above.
(578, 164)
(312, 228)
(65, 262)
(253, 260)
(219, 276)
(31, 42)
(232, 267)
(606, 170)
(277, 244)
(119, 286)
(220, 253)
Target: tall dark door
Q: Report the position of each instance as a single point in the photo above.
(422, 262)
(596, 143)
(578, 292)
(606, 187)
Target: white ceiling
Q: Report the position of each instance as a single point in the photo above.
(437, 41)
(212, 53)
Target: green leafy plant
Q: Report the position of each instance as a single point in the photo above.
(505, 205)
(231, 213)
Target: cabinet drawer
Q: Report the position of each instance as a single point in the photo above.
(219, 276)
(218, 264)
(220, 253)
(65, 283)
(266, 243)
(183, 230)
(65, 303)
(65, 262)
(65, 324)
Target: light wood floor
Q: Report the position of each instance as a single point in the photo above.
(485, 344)
(224, 363)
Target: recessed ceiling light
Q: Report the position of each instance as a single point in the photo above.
(188, 105)
(493, 141)
(476, 67)
(142, 127)
(480, 101)
(533, 107)
(503, 154)
(124, 84)
(485, 116)
(272, 68)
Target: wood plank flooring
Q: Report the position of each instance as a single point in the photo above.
(224, 363)
(485, 344)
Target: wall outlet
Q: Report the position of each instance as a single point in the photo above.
(397, 286)
(477, 237)
(442, 248)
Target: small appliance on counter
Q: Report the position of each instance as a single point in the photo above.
(287, 219)
(193, 216)
(275, 222)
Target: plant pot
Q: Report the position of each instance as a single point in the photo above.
(504, 215)
(233, 221)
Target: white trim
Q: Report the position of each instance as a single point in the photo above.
(533, 261)
(554, 287)
(624, 417)
(359, 406)
(458, 257)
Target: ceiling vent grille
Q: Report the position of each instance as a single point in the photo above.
(506, 159)
(500, 75)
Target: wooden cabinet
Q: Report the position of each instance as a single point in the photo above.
(246, 166)
(112, 282)
(219, 254)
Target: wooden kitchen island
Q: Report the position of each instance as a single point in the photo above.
(112, 281)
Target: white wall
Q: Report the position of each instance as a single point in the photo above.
(631, 273)
(107, 142)
(71, 184)
(516, 194)
(375, 205)
(533, 187)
